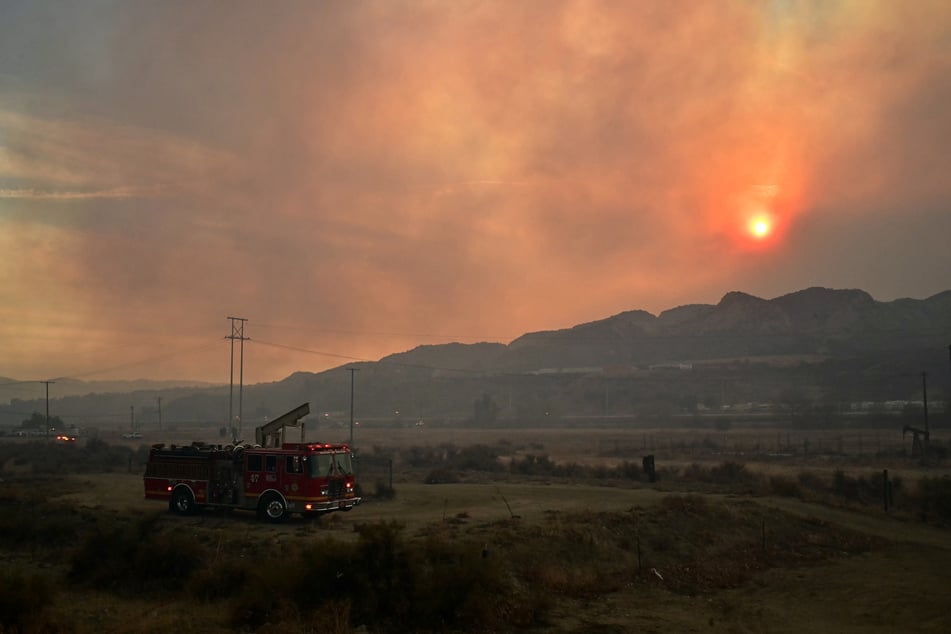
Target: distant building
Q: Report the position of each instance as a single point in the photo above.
(671, 366)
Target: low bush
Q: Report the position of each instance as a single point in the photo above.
(690, 502)
(30, 524)
(384, 491)
(92, 456)
(221, 579)
(730, 473)
(932, 499)
(381, 581)
(136, 558)
(810, 481)
(531, 464)
(542, 465)
(785, 487)
(449, 457)
(23, 597)
(441, 476)
(859, 490)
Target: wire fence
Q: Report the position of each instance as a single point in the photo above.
(374, 473)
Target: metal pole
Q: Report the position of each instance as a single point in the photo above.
(352, 373)
(924, 401)
(237, 332)
(48, 406)
(241, 383)
(231, 386)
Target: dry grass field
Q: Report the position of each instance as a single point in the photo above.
(504, 551)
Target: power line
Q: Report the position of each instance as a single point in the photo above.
(380, 361)
(378, 333)
(131, 364)
(11, 383)
(308, 351)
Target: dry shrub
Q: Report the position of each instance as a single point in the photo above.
(549, 577)
(785, 487)
(23, 597)
(332, 618)
(383, 491)
(221, 579)
(689, 503)
(932, 499)
(810, 481)
(441, 476)
(136, 558)
(725, 570)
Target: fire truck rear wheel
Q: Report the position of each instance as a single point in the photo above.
(274, 509)
(182, 502)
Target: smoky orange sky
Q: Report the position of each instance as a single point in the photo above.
(359, 178)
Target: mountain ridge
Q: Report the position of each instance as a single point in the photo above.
(815, 320)
(841, 343)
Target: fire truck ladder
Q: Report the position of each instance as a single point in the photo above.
(273, 432)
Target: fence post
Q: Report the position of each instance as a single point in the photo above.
(885, 488)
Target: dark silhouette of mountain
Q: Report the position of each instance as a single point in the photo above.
(837, 345)
(450, 356)
(25, 390)
(814, 321)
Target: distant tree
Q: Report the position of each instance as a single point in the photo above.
(485, 410)
(38, 421)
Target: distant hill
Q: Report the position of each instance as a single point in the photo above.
(814, 321)
(28, 390)
(819, 345)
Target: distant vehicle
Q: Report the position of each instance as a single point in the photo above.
(65, 439)
(132, 435)
(275, 481)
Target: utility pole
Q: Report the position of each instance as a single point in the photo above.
(159, 399)
(921, 438)
(237, 332)
(353, 371)
(48, 406)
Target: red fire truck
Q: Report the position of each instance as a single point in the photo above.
(271, 477)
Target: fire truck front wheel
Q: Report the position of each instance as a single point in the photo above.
(182, 502)
(273, 508)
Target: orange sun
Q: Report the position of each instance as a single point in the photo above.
(760, 227)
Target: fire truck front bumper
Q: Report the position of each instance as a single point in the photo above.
(332, 505)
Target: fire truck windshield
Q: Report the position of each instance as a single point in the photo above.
(329, 464)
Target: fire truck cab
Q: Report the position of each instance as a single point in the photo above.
(305, 478)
